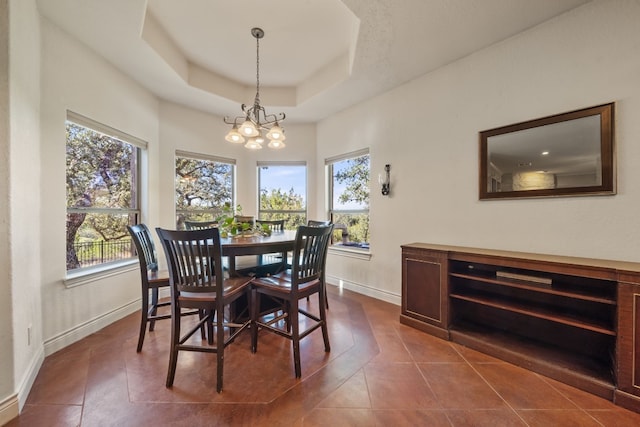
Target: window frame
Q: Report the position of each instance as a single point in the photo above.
(332, 211)
(211, 158)
(305, 212)
(81, 275)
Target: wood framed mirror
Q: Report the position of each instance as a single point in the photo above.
(569, 154)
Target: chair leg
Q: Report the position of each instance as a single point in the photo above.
(203, 331)
(154, 308)
(295, 336)
(220, 350)
(210, 326)
(323, 317)
(254, 308)
(175, 339)
(326, 298)
(143, 319)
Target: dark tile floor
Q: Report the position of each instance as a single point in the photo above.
(378, 373)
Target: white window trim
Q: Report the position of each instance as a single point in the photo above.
(335, 248)
(209, 158)
(83, 276)
(259, 164)
(363, 254)
(86, 122)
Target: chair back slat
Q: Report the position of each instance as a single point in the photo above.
(194, 258)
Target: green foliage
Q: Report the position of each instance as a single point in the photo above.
(231, 223)
(356, 177)
(99, 169)
(280, 200)
(202, 184)
(202, 188)
(100, 173)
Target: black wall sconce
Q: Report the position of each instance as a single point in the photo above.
(385, 180)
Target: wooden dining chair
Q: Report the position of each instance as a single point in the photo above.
(152, 280)
(197, 282)
(199, 225)
(270, 263)
(274, 225)
(316, 223)
(304, 279)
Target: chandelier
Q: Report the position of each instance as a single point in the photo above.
(256, 123)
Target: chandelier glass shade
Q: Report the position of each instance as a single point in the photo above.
(255, 124)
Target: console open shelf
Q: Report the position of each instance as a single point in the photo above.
(572, 319)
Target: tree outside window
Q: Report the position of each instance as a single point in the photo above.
(349, 202)
(102, 195)
(283, 193)
(203, 186)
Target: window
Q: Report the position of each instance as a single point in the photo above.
(349, 198)
(283, 192)
(103, 195)
(204, 184)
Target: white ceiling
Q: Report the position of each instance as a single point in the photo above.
(317, 57)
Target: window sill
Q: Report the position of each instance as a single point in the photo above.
(91, 274)
(350, 252)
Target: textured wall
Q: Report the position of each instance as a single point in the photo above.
(428, 130)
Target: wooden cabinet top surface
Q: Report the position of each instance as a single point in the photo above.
(603, 264)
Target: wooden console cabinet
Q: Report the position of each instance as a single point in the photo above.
(576, 320)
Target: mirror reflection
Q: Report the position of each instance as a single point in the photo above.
(560, 155)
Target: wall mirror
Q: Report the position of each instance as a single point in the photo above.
(568, 154)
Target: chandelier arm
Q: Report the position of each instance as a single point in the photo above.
(270, 119)
(234, 122)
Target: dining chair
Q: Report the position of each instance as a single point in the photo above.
(316, 223)
(197, 282)
(274, 225)
(270, 263)
(152, 281)
(199, 225)
(304, 279)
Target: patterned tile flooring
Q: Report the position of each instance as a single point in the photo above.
(378, 373)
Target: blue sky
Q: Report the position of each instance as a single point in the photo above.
(284, 178)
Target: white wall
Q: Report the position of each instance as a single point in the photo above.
(428, 130)
(74, 78)
(185, 129)
(21, 310)
(8, 401)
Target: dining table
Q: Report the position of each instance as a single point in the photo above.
(279, 242)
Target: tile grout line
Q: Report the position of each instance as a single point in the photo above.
(488, 384)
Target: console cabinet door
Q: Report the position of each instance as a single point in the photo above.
(424, 293)
(628, 348)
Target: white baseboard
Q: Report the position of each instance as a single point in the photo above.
(9, 409)
(85, 329)
(24, 388)
(365, 290)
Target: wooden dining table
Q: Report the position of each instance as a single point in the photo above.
(277, 242)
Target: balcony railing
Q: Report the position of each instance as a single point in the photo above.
(101, 251)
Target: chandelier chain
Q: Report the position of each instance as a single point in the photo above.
(257, 100)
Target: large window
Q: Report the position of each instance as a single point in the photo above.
(102, 192)
(204, 184)
(283, 192)
(349, 198)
